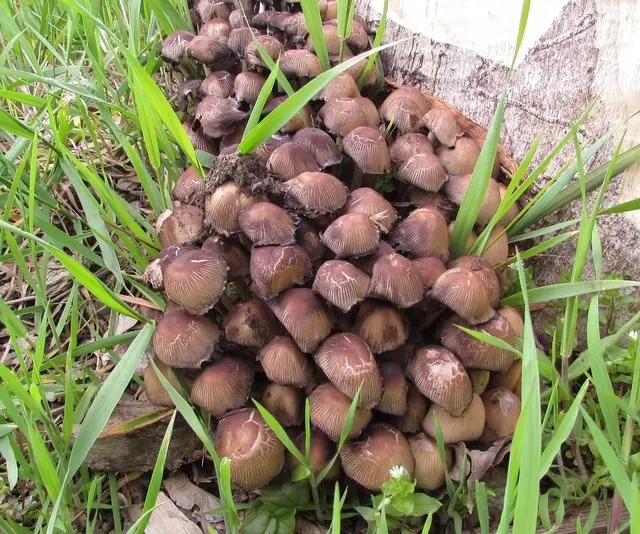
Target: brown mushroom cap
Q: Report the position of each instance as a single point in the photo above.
(239, 38)
(304, 316)
(341, 283)
(440, 377)
(409, 145)
(309, 239)
(429, 472)
(515, 319)
(233, 253)
(315, 193)
(196, 280)
(256, 454)
(474, 353)
(368, 149)
(468, 427)
(251, 324)
(211, 51)
(174, 46)
(457, 186)
(328, 412)
(290, 160)
(271, 46)
(423, 233)
(342, 115)
(236, 19)
(366, 263)
(423, 171)
(247, 86)
(370, 202)
(217, 28)
(369, 460)
(295, 26)
(219, 83)
(218, 116)
(429, 268)
(153, 387)
(265, 223)
(331, 39)
(285, 403)
(266, 149)
(210, 9)
(320, 144)
(497, 248)
(348, 364)
(300, 64)
(189, 187)
(381, 326)
(342, 86)
(321, 452)
(222, 386)
(482, 269)
(395, 280)
(502, 409)
(461, 158)
(198, 139)
(417, 405)
(403, 110)
(395, 387)
(182, 225)
(464, 293)
(511, 380)
(275, 269)
(153, 275)
(443, 125)
(352, 234)
(284, 363)
(183, 340)
(223, 206)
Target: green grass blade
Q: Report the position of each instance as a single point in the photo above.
(225, 489)
(482, 506)
(541, 247)
(263, 96)
(312, 17)
(623, 207)
(568, 289)
(489, 339)
(377, 41)
(543, 231)
(336, 511)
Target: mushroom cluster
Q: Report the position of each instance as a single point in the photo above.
(291, 276)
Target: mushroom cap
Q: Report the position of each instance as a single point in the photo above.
(239, 38)
(328, 412)
(284, 363)
(429, 269)
(370, 202)
(424, 199)
(429, 472)
(474, 353)
(174, 46)
(199, 139)
(250, 324)
(153, 387)
(304, 316)
(342, 86)
(502, 409)
(232, 252)
(482, 269)
(348, 364)
(222, 386)
(395, 280)
(407, 93)
(409, 145)
(247, 86)
(395, 387)
(295, 26)
(417, 405)
(366, 263)
(271, 46)
(184, 340)
(309, 239)
(514, 318)
(189, 187)
(464, 293)
(331, 39)
(403, 110)
(382, 326)
(285, 403)
(210, 51)
(342, 115)
(196, 280)
(456, 187)
(368, 149)
(468, 427)
(217, 116)
(266, 149)
(153, 275)
(424, 171)
(424, 232)
(320, 144)
(302, 119)
(210, 9)
(300, 64)
(265, 223)
(321, 452)
(341, 283)
(497, 248)
(218, 83)
(352, 234)
(440, 377)
(256, 454)
(223, 206)
(183, 225)
(511, 380)
(290, 160)
(236, 19)
(443, 125)
(369, 460)
(275, 269)
(187, 94)
(315, 193)
(461, 158)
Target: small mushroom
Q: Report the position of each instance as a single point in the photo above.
(368, 149)
(199, 139)
(290, 160)
(403, 110)
(315, 193)
(352, 234)
(417, 405)
(423, 233)
(295, 26)
(395, 280)
(497, 248)
(309, 239)
(482, 269)
(429, 269)
(223, 206)
(409, 145)
(464, 293)
(456, 188)
(265, 223)
(174, 46)
(187, 94)
(189, 187)
(250, 324)
(210, 9)
(218, 116)
(443, 125)
(511, 380)
(514, 318)
(285, 403)
(236, 19)
(328, 412)
(211, 52)
(502, 410)
(414, 99)
(268, 43)
(256, 454)
(429, 472)
(461, 158)
(342, 86)
(284, 363)
(381, 326)
(468, 427)
(154, 389)
(222, 386)
(219, 83)
(366, 263)
(370, 202)
(275, 269)
(331, 39)
(233, 253)
(217, 28)
(394, 389)
(320, 144)
(321, 452)
(266, 149)
(423, 171)
(342, 115)
(341, 284)
(182, 225)
(247, 86)
(239, 38)
(153, 275)
(480, 379)
(300, 64)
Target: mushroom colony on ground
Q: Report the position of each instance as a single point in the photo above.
(321, 263)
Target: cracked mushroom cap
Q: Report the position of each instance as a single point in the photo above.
(443, 125)
(370, 202)
(502, 410)
(284, 363)
(320, 144)
(236, 19)
(429, 472)
(219, 83)
(424, 232)
(256, 454)
(417, 405)
(174, 46)
(409, 145)
(154, 273)
(222, 208)
(341, 284)
(441, 377)
(423, 171)
(184, 340)
(285, 403)
(394, 389)
(514, 318)
(403, 110)
(216, 28)
(305, 317)
(189, 187)
(368, 149)
(223, 386)
(315, 193)
(300, 64)
(352, 234)
(348, 363)
(476, 354)
(468, 427)
(265, 223)
(321, 451)
(460, 290)
(382, 326)
(153, 387)
(271, 46)
(247, 86)
(250, 324)
(482, 269)
(196, 280)
(290, 160)
(342, 115)
(275, 269)
(182, 225)
(394, 279)
(328, 411)
(415, 102)
(369, 460)
(211, 9)
(366, 263)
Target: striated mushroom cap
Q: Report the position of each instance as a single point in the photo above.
(320, 144)
(153, 387)
(381, 326)
(274, 269)
(423, 171)
(321, 452)
(514, 318)
(329, 409)
(174, 46)
(394, 389)
(222, 386)
(239, 38)
(370, 202)
(464, 293)
(247, 86)
(440, 377)
(461, 158)
(369, 460)
(211, 9)
(408, 145)
(366, 263)
(482, 269)
(180, 226)
(348, 364)
(403, 110)
(216, 28)
(250, 324)
(300, 64)
(331, 39)
(342, 115)
(502, 409)
(309, 239)
(341, 284)
(284, 363)
(429, 269)
(198, 139)
(394, 279)
(271, 46)
(285, 403)
(443, 125)
(233, 253)
(429, 472)
(217, 116)
(218, 84)
(196, 280)
(153, 275)
(189, 187)
(342, 86)
(290, 160)
(417, 405)
(265, 223)
(222, 208)
(368, 149)
(457, 186)
(315, 193)
(352, 234)
(236, 19)
(468, 427)
(211, 51)
(256, 454)
(423, 233)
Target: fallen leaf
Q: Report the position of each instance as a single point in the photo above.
(167, 517)
(189, 496)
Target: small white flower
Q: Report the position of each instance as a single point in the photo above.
(397, 471)
(634, 335)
